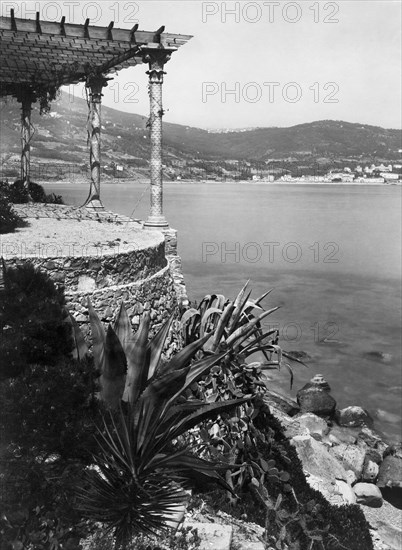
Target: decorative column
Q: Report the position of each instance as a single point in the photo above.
(26, 97)
(156, 59)
(95, 83)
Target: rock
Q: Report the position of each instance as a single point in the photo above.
(311, 423)
(346, 492)
(387, 523)
(314, 397)
(370, 471)
(395, 449)
(286, 404)
(333, 440)
(374, 455)
(390, 472)
(214, 536)
(352, 417)
(247, 545)
(373, 441)
(350, 456)
(336, 492)
(86, 284)
(368, 494)
(390, 535)
(81, 318)
(351, 477)
(344, 435)
(290, 429)
(316, 460)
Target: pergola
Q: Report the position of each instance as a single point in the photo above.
(37, 57)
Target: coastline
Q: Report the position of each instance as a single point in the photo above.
(241, 182)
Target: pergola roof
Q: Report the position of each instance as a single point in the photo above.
(51, 54)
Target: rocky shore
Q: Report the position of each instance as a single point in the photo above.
(344, 457)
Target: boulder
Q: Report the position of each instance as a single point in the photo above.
(374, 455)
(372, 440)
(316, 460)
(311, 423)
(286, 404)
(351, 477)
(344, 435)
(390, 472)
(336, 492)
(346, 492)
(370, 471)
(290, 429)
(390, 535)
(368, 494)
(350, 456)
(352, 417)
(314, 397)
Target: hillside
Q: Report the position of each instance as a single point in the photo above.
(60, 137)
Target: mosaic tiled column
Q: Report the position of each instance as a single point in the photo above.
(95, 85)
(156, 59)
(26, 97)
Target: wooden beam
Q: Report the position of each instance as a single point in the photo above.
(86, 25)
(38, 27)
(132, 33)
(118, 59)
(13, 22)
(158, 34)
(109, 30)
(62, 29)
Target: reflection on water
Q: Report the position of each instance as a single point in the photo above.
(333, 255)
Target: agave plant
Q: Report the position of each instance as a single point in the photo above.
(137, 484)
(235, 327)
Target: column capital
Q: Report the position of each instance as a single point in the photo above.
(156, 60)
(95, 83)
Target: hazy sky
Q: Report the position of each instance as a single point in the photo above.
(268, 63)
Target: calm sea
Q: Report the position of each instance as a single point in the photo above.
(332, 255)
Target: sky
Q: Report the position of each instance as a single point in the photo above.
(254, 64)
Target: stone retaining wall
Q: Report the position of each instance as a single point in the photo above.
(115, 260)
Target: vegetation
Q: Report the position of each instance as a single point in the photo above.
(18, 193)
(267, 476)
(9, 220)
(33, 321)
(162, 426)
(137, 485)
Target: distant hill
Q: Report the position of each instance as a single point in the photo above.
(60, 137)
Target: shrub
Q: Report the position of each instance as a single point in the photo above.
(32, 320)
(18, 193)
(46, 426)
(9, 220)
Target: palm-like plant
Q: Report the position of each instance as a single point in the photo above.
(140, 472)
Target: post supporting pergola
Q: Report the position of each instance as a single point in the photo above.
(156, 59)
(95, 84)
(26, 97)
